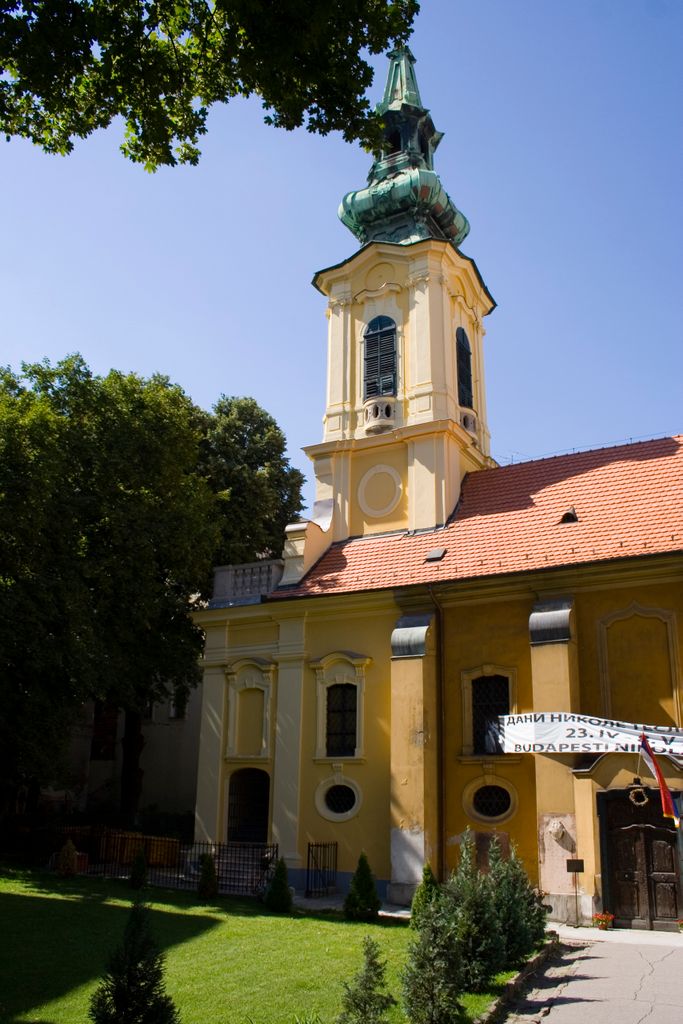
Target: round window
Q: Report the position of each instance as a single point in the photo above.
(491, 801)
(340, 799)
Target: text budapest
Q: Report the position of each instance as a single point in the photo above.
(560, 732)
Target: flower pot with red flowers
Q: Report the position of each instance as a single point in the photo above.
(603, 921)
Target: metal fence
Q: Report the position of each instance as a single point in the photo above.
(241, 868)
(321, 869)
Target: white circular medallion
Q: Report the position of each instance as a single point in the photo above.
(391, 487)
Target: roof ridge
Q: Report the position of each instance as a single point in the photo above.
(608, 446)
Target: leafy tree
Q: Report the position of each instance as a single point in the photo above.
(132, 991)
(259, 493)
(365, 999)
(469, 899)
(117, 495)
(106, 534)
(68, 67)
(518, 906)
(362, 902)
(432, 979)
(427, 892)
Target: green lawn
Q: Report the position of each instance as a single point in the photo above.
(229, 962)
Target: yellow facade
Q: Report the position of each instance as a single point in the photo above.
(413, 773)
(353, 714)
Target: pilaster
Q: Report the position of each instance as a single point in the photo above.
(414, 755)
(210, 767)
(555, 686)
(287, 762)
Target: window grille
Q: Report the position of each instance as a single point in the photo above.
(340, 799)
(380, 358)
(490, 698)
(464, 360)
(341, 720)
(491, 801)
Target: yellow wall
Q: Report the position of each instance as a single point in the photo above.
(627, 633)
(489, 636)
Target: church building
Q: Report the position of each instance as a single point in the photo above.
(352, 688)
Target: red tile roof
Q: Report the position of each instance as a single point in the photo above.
(628, 499)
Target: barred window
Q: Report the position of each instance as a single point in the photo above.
(380, 358)
(341, 720)
(490, 698)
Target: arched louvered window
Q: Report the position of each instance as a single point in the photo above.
(380, 358)
(464, 359)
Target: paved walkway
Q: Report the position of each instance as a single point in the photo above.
(614, 977)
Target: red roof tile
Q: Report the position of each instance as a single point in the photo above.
(628, 499)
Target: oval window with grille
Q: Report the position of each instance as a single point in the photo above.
(491, 801)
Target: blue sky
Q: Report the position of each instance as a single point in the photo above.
(563, 146)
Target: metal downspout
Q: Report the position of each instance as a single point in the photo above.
(441, 730)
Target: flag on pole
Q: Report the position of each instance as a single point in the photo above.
(668, 806)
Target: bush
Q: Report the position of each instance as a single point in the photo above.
(469, 898)
(427, 892)
(431, 978)
(67, 861)
(132, 990)
(519, 909)
(138, 871)
(362, 902)
(278, 896)
(365, 1000)
(207, 887)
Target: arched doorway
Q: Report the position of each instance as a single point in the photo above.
(248, 802)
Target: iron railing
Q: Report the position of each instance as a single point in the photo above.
(241, 868)
(321, 869)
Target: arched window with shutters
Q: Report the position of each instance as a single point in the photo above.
(464, 361)
(380, 358)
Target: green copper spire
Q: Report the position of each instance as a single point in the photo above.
(405, 200)
(401, 84)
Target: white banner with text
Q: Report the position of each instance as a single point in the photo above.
(560, 732)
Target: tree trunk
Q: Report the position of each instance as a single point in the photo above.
(131, 773)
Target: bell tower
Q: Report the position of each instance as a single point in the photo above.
(405, 413)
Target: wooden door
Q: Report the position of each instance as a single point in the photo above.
(640, 862)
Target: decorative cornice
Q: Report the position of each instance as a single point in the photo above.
(550, 622)
(409, 638)
(376, 293)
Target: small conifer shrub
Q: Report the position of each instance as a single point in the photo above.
(518, 906)
(132, 991)
(431, 977)
(138, 871)
(67, 861)
(362, 902)
(278, 896)
(207, 886)
(365, 999)
(469, 895)
(427, 892)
